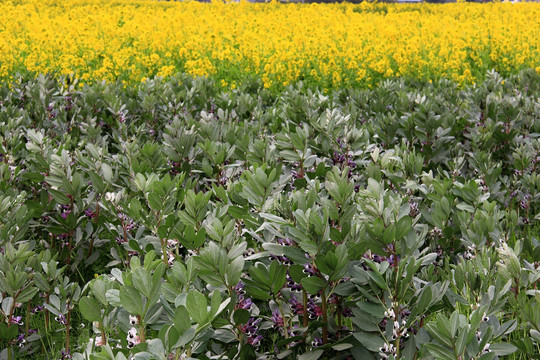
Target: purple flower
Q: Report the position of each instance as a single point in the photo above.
(281, 259)
(21, 340)
(310, 270)
(242, 302)
(313, 309)
(61, 319)
(121, 117)
(413, 208)
(296, 306)
(333, 299)
(347, 312)
(286, 242)
(393, 260)
(276, 319)
(89, 213)
(127, 222)
(16, 320)
(37, 309)
(251, 327)
(249, 252)
(254, 341)
(239, 288)
(317, 341)
(294, 286)
(245, 304)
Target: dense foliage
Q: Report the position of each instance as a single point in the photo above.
(324, 45)
(170, 219)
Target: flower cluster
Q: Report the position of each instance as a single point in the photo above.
(456, 42)
(132, 338)
(387, 350)
(127, 222)
(250, 329)
(242, 302)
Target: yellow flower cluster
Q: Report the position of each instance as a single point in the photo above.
(323, 44)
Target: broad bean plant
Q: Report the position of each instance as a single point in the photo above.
(175, 220)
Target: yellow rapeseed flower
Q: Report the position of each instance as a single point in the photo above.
(325, 44)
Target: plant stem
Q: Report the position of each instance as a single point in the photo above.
(68, 322)
(305, 318)
(142, 335)
(103, 335)
(340, 322)
(91, 246)
(285, 330)
(325, 318)
(47, 315)
(27, 318)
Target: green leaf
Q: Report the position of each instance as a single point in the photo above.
(378, 279)
(278, 276)
(97, 183)
(169, 336)
(3, 330)
(403, 226)
(309, 246)
(293, 253)
(389, 234)
(186, 337)
(155, 202)
(241, 316)
(7, 304)
(12, 332)
(502, 349)
(454, 323)
(90, 309)
(234, 271)
(27, 294)
(535, 334)
(182, 321)
(341, 347)
(215, 302)
(33, 176)
(142, 281)
(465, 207)
(107, 172)
(257, 293)
(260, 275)
(371, 341)
(311, 355)
(135, 208)
(196, 306)
(440, 352)
(59, 197)
(425, 299)
(313, 284)
(132, 300)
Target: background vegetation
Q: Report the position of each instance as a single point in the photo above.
(323, 45)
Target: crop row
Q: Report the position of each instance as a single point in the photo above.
(328, 46)
(175, 220)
